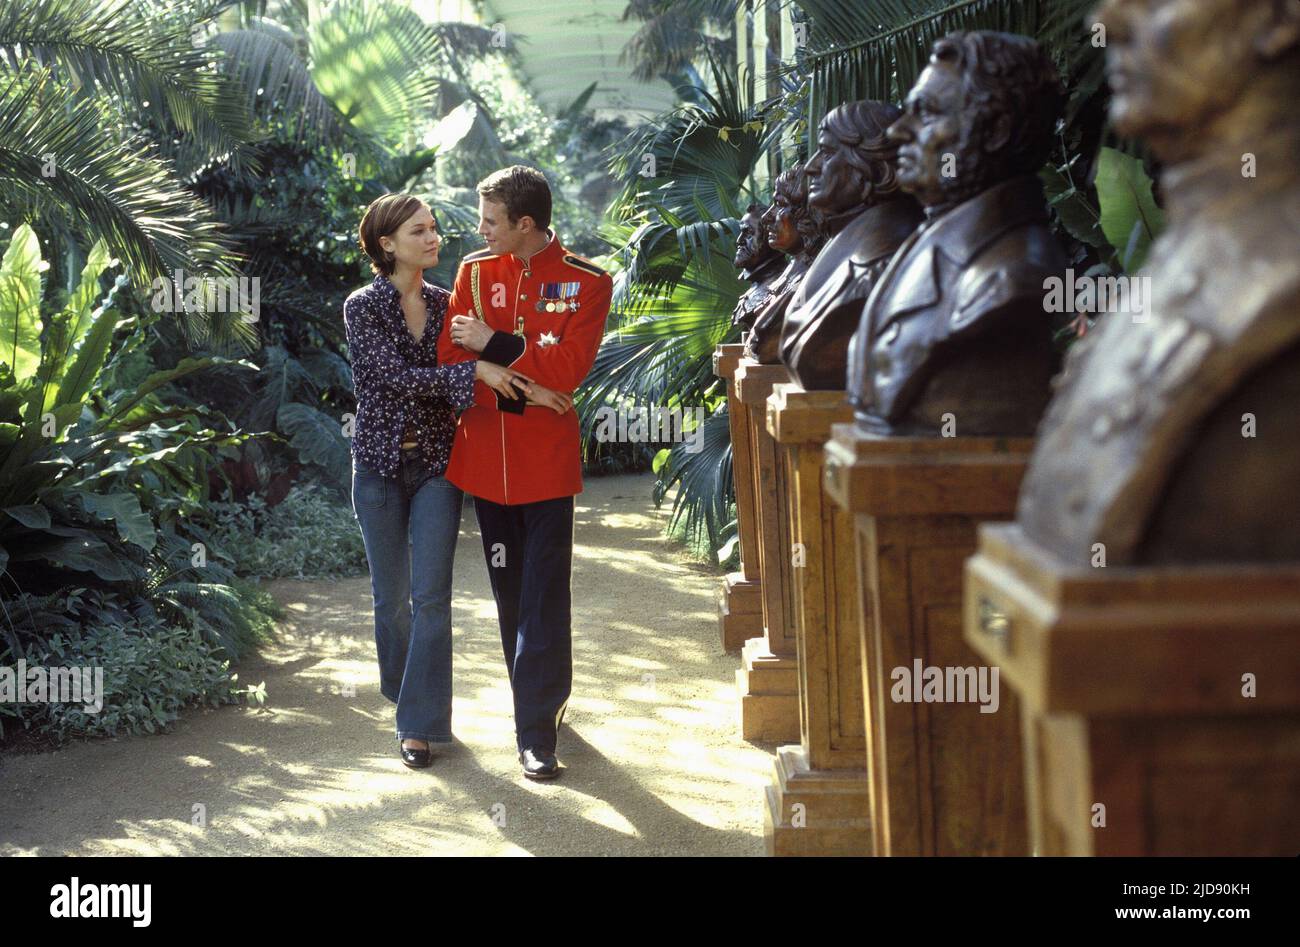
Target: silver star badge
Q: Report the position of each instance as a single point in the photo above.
(547, 338)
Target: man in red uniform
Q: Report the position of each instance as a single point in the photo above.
(527, 303)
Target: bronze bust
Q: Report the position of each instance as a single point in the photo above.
(955, 338)
(1174, 436)
(759, 264)
(853, 189)
(795, 231)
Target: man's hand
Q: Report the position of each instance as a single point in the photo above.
(470, 333)
(557, 401)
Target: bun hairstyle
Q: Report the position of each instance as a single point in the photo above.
(381, 219)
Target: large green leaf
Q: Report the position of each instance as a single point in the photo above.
(1078, 216)
(263, 58)
(31, 515)
(86, 365)
(20, 300)
(328, 369)
(80, 550)
(133, 524)
(1129, 215)
(81, 304)
(316, 436)
(156, 380)
(65, 333)
(159, 456)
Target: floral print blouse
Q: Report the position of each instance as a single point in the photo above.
(398, 380)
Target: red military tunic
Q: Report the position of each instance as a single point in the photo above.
(560, 302)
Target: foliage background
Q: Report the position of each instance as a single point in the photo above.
(154, 465)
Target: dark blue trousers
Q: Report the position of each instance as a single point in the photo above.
(529, 552)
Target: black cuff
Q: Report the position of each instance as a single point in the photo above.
(503, 348)
(511, 405)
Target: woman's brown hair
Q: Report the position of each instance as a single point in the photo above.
(381, 219)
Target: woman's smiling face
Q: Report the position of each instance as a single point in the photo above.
(416, 241)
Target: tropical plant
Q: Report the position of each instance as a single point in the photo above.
(370, 69)
(152, 669)
(674, 225)
(683, 187)
(675, 36)
(100, 476)
(79, 81)
(307, 535)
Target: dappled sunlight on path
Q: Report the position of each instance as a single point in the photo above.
(653, 759)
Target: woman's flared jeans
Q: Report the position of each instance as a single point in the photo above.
(409, 524)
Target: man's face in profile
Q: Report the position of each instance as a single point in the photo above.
(495, 228)
(931, 135)
(834, 184)
(751, 243)
(779, 225)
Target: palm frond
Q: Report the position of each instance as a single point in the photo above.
(263, 59)
(373, 60)
(877, 50)
(691, 161)
(658, 352)
(706, 490)
(144, 53)
(673, 34)
(115, 191)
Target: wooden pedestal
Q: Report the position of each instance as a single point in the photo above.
(740, 597)
(1140, 736)
(818, 803)
(945, 778)
(769, 689)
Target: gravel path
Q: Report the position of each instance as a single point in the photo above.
(654, 761)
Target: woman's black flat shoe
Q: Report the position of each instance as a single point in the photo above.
(416, 759)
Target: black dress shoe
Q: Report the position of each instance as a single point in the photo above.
(539, 764)
(416, 759)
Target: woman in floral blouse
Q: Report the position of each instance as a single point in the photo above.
(406, 417)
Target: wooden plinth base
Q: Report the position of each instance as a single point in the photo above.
(768, 685)
(768, 678)
(830, 764)
(740, 610)
(946, 778)
(740, 599)
(815, 812)
(1161, 706)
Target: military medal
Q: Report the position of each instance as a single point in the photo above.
(559, 297)
(569, 292)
